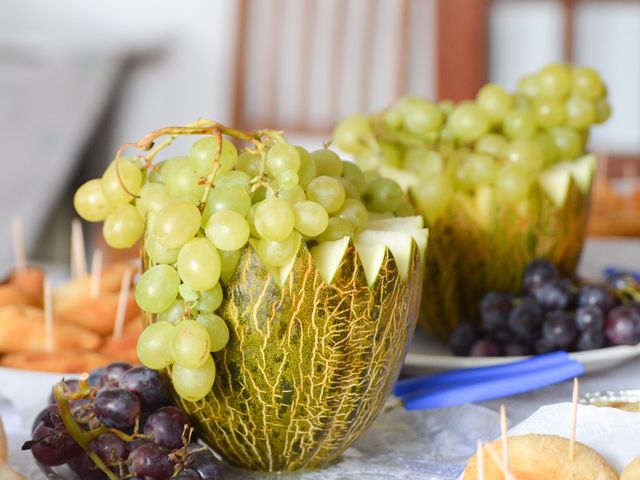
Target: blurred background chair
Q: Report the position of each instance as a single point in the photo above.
(289, 64)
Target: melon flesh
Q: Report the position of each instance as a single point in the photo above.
(555, 182)
(402, 177)
(582, 171)
(400, 223)
(327, 256)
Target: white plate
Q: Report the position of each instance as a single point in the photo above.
(427, 354)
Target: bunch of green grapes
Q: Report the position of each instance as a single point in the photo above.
(500, 140)
(198, 212)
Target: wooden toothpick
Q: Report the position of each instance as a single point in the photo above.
(96, 273)
(503, 435)
(574, 416)
(48, 316)
(498, 461)
(19, 252)
(78, 254)
(480, 458)
(123, 298)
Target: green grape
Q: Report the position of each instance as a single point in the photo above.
(389, 154)
(277, 254)
(352, 172)
(259, 195)
(554, 81)
(187, 293)
(355, 212)
(549, 112)
(382, 195)
(405, 209)
(461, 177)
(176, 224)
(210, 300)
(521, 102)
(153, 198)
(587, 83)
(468, 122)
(203, 153)
(494, 101)
(446, 106)
(228, 230)
(327, 162)
(353, 134)
(157, 288)
(226, 197)
(433, 196)
(311, 218)
(291, 196)
(123, 227)
(307, 170)
(182, 179)
(121, 184)
(528, 86)
(251, 220)
(193, 384)
(173, 313)
(524, 155)
(519, 123)
(511, 184)
(228, 262)
(249, 163)
(392, 118)
(217, 329)
(369, 160)
(423, 162)
(336, 229)
(568, 142)
(158, 253)
(581, 113)
(287, 180)
(328, 192)
(190, 345)
(155, 174)
(153, 345)
(603, 110)
(421, 116)
(281, 158)
(547, 146)
(232, 178)
(349, 190)
(90, 201)
(274, 219)
(491, 143)
(480, 168)
(199, 264)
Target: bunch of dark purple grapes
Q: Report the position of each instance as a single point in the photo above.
(552, 313)
(118, 423)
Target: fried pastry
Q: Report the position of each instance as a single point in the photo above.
(63, 361)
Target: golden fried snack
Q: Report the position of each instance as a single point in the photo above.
(29, 280)
(631, 471)
(22, 328)
(64, 361)
(98, 314)
(133, 328)
(6, 472)
(121, 349)
(10, 294)
(78, 290)
(542, 457)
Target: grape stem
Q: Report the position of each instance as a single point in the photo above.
(216, 165)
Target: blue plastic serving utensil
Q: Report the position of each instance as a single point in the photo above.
(466, 375)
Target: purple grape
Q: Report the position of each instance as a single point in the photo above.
(109, 448)
(205, 463)
(623, 325)
(117, 408)
(589, 318)
(151, 461)
(590, 340)
(494, 311)
(98, 378)
(51, 446)
(537, 273)
(135, 443)
(462, 338)
(147, 385)
(484, 348)
(187, 475)
(50, 416)
(525, 319)
(543, 345)
(167, 427)
(596, 296)
(516, 349)
(559, 329)
(84, 467)
(555, 295)
(622, 280)
(73, 385)
(115, 370)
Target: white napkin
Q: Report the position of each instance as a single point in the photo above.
(613, 433)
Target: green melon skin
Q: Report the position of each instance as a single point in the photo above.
(308, 366)
(467, 259)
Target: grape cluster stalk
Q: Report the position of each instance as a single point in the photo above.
(196, 213)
